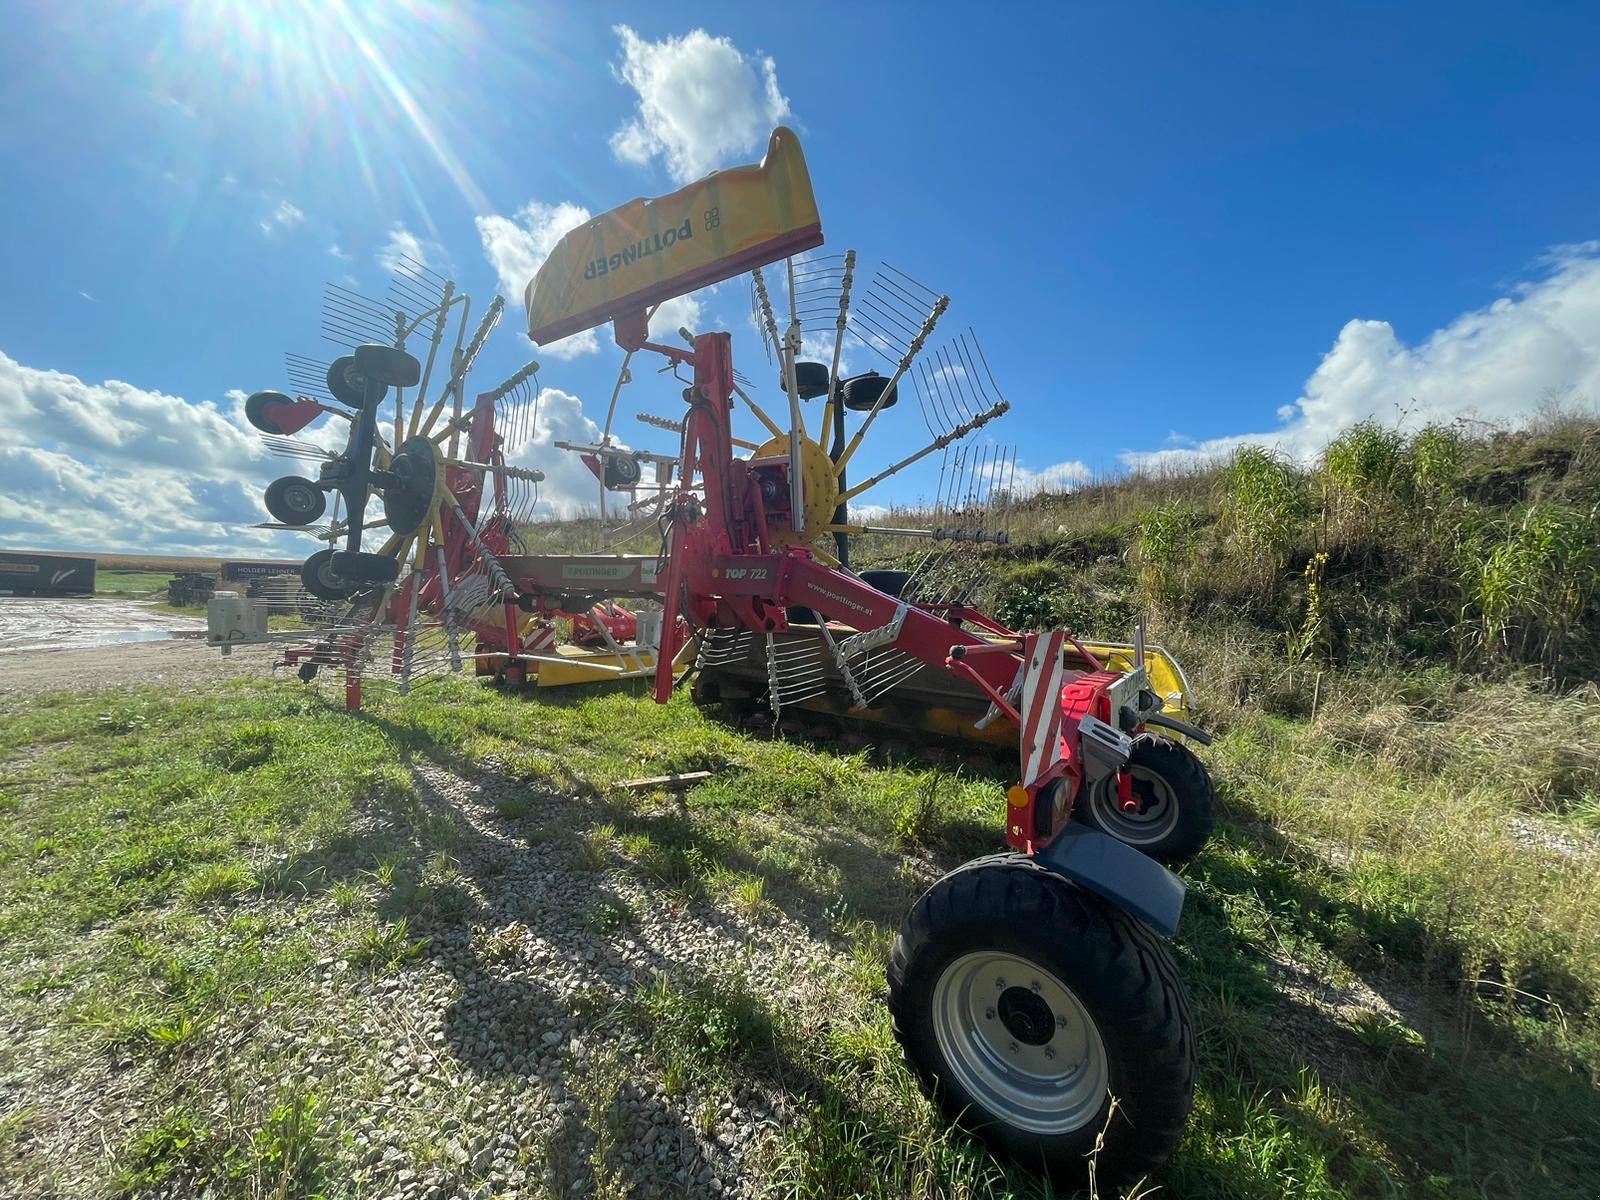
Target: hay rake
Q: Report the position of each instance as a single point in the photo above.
(1028, 988)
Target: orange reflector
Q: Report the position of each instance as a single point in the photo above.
(1017, 796)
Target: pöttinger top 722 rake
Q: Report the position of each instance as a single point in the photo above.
(1030, 989)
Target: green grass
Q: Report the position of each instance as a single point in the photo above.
(131, 584)
(175, 866)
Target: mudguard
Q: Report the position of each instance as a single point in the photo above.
(1118, 872)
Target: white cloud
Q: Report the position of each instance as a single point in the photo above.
(285, 216)
(338, 252)
(402, 244)
(569, 488)
(1495, 364)
(680, 312)
(1057, 477)
(111, 466)
(517, 246)
(702, 104)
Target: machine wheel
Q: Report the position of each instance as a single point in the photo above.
(348, 385)
(262, 409)
(810, 380)
(1024, 1004)
(318, 577)
(890, 583)
(861, 392)
(362, 568)
(1177, 806)
(294, 500)
(621, 472)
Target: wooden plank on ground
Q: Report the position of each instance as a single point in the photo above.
(672, 783)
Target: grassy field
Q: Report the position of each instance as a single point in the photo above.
(259, 946)
(132, 585)
(1393, 944)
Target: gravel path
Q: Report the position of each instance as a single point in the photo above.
(25, 673)
(490, 1067)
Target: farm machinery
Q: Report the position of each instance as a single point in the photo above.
(1031, 989)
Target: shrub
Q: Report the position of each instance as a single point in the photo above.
(1165, 541)
(1532, 590)
(1366, 463)
(1434, 458)
(1265, 506)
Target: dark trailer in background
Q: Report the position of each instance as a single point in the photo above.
(27, 573)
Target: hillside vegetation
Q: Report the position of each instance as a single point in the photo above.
(1436, 547)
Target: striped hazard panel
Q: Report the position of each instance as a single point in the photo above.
(1041, 704)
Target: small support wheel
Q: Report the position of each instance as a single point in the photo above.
(348, 384)
(294, 500)
(362, 568)
(319, 578)
(264, 410)
(1024, 1004)
(1174, 805)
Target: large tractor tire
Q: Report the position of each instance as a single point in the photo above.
(1176, 806)
(1025, 1004)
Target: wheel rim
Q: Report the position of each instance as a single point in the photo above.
(1020, 1042)
(1145, 826)
(301, 500)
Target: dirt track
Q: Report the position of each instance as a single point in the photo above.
(49, 645)
(25, 673)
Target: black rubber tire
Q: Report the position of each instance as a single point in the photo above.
(1120, 973)
(362, 568)
(295, 500)
(622, 472)
(1190, 784)
(318, 577)
(387, 365)
(810, 380)
(348, 385)
(861, 392)
(257, 410)
(890, 583)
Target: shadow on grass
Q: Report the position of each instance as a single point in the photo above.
(1446, 1117)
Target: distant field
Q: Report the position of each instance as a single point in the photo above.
(129, 583)
(164, 565)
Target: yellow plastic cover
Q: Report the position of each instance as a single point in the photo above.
(648, 250)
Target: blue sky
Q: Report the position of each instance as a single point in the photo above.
(1173, 226)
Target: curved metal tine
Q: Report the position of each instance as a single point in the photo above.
(414, 287)
(1005, 479)
(938, 491)
(936, 389)
(870, 336)
(951, 371)
(349, 317)
(892, 316)
(922, 406)
(927, 298)
(308, 376)
(766, 321)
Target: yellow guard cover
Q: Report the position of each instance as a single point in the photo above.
(648, 250)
